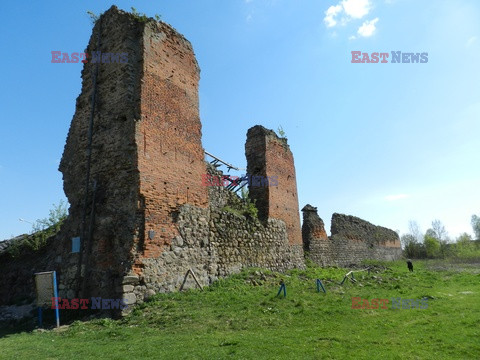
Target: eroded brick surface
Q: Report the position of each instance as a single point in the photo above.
(168, 135)
(267, 156)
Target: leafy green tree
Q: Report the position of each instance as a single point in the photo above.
(406, 240)
(464, 246)
(432, 245)
(464, 239)
(412, 248)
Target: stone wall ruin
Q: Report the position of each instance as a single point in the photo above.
(352, 240)
(132, 169)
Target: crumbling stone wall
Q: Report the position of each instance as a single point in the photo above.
(107, 217)
(316, 244)
(16, 274)
(352, 240)
(214, 243)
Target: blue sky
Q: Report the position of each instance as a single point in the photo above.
(386, 142)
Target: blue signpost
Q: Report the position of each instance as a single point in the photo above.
(55, 294)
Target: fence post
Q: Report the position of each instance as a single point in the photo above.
(284, 288)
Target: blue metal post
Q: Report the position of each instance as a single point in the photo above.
(40, 322)
(55, 294)
(320, 285)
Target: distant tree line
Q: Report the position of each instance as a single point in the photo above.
(435, 242)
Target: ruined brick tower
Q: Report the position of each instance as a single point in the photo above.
(146, 152)
(133, 166)
(269, 156)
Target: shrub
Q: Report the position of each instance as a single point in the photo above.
(42, 230)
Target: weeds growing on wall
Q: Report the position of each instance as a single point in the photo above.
(142, 17)
(42, 231)
(281, 132)
(242, 206)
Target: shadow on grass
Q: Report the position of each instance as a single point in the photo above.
(29, 324)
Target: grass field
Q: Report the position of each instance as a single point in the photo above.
(241, 318)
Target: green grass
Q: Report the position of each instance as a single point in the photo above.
(241, 318)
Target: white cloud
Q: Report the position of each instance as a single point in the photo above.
(471, 41)
(350, 9)
(330, 15)
(353, 37)
(396, 197)
(356, 8)
(368, 28)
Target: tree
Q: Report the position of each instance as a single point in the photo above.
(465, 247)
(407, 239)
(439, 230)
(476, 226)
(432, 246)
(412, 242)
(464, 238)
(431, 234)
(414, 229)
(409, 245)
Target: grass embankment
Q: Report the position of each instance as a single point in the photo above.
(240, 317)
